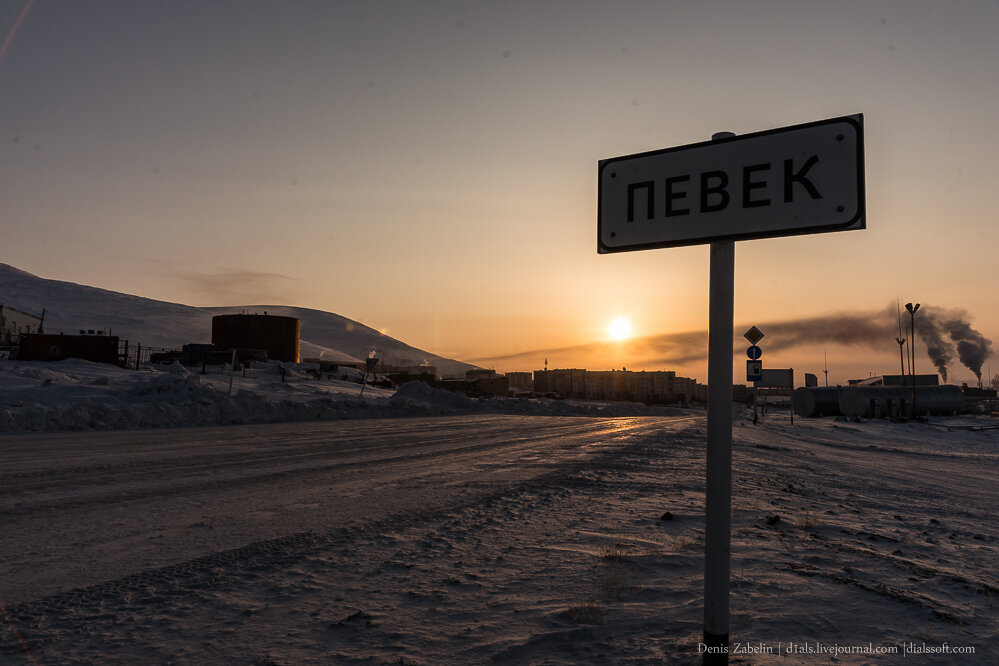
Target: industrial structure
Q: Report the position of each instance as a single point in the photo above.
(279, 336)
(897, 380)
(57, 347)
(14, 323)
(879, 401)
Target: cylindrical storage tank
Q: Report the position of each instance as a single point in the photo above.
(816, 401)
(879, 401)
(280, 336)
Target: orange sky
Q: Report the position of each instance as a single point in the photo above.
(430, 168)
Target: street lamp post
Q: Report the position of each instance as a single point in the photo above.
(912, 333)
(901, 342)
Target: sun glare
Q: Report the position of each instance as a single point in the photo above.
(619, 329)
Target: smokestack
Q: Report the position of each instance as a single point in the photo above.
(972, 347)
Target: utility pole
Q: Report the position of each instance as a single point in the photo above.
(825, 364)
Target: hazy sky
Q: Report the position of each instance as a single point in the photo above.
(429, 168)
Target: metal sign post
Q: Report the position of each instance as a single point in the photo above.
(795, 180)
(718, 487)
(754, 366)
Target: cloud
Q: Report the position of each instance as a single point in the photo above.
(236, 287)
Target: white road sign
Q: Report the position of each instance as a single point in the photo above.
(795, 180)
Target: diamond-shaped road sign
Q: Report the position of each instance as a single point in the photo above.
(754, 335)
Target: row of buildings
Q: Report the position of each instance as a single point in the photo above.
(279, 338)
(657, 387)
(660, 387)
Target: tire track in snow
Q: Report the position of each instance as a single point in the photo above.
(230, 567)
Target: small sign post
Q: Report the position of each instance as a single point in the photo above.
(369, 365)
(754, 366)
(795, 180)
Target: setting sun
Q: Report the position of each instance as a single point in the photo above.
(619, 329)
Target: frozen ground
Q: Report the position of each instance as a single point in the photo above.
(489, 538)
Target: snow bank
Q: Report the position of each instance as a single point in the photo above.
(80, 395)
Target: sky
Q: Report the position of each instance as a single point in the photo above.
(430, 169)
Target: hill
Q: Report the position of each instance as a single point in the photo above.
(70, 307)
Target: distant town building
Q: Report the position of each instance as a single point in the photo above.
(486, 382)
(657, 387)
(417, 370)
(476, 383)
(14, 323)
(568, 383)
(520, 381)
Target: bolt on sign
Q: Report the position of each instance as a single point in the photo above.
(794, 180)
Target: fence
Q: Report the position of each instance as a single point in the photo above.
(138, 357)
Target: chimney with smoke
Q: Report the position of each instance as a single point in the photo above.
(972, 347)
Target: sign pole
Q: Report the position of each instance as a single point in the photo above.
(718, 489)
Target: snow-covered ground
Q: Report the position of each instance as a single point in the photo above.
(80, 395)
(486, 538)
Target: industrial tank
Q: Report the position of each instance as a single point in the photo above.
(878, 401)
(279, 336)
(816, 401)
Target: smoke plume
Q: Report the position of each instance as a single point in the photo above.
(940, 351)
(972, 347)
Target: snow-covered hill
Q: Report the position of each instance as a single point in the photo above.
(70, 307)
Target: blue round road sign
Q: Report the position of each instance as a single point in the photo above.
(754, 353)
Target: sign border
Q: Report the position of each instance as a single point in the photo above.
(859, 221)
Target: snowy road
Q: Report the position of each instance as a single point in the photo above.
(84, 508)
(488, 538)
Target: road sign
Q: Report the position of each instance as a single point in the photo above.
(802, 179)
(754, 335)
(795, 180)
(754, 353)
